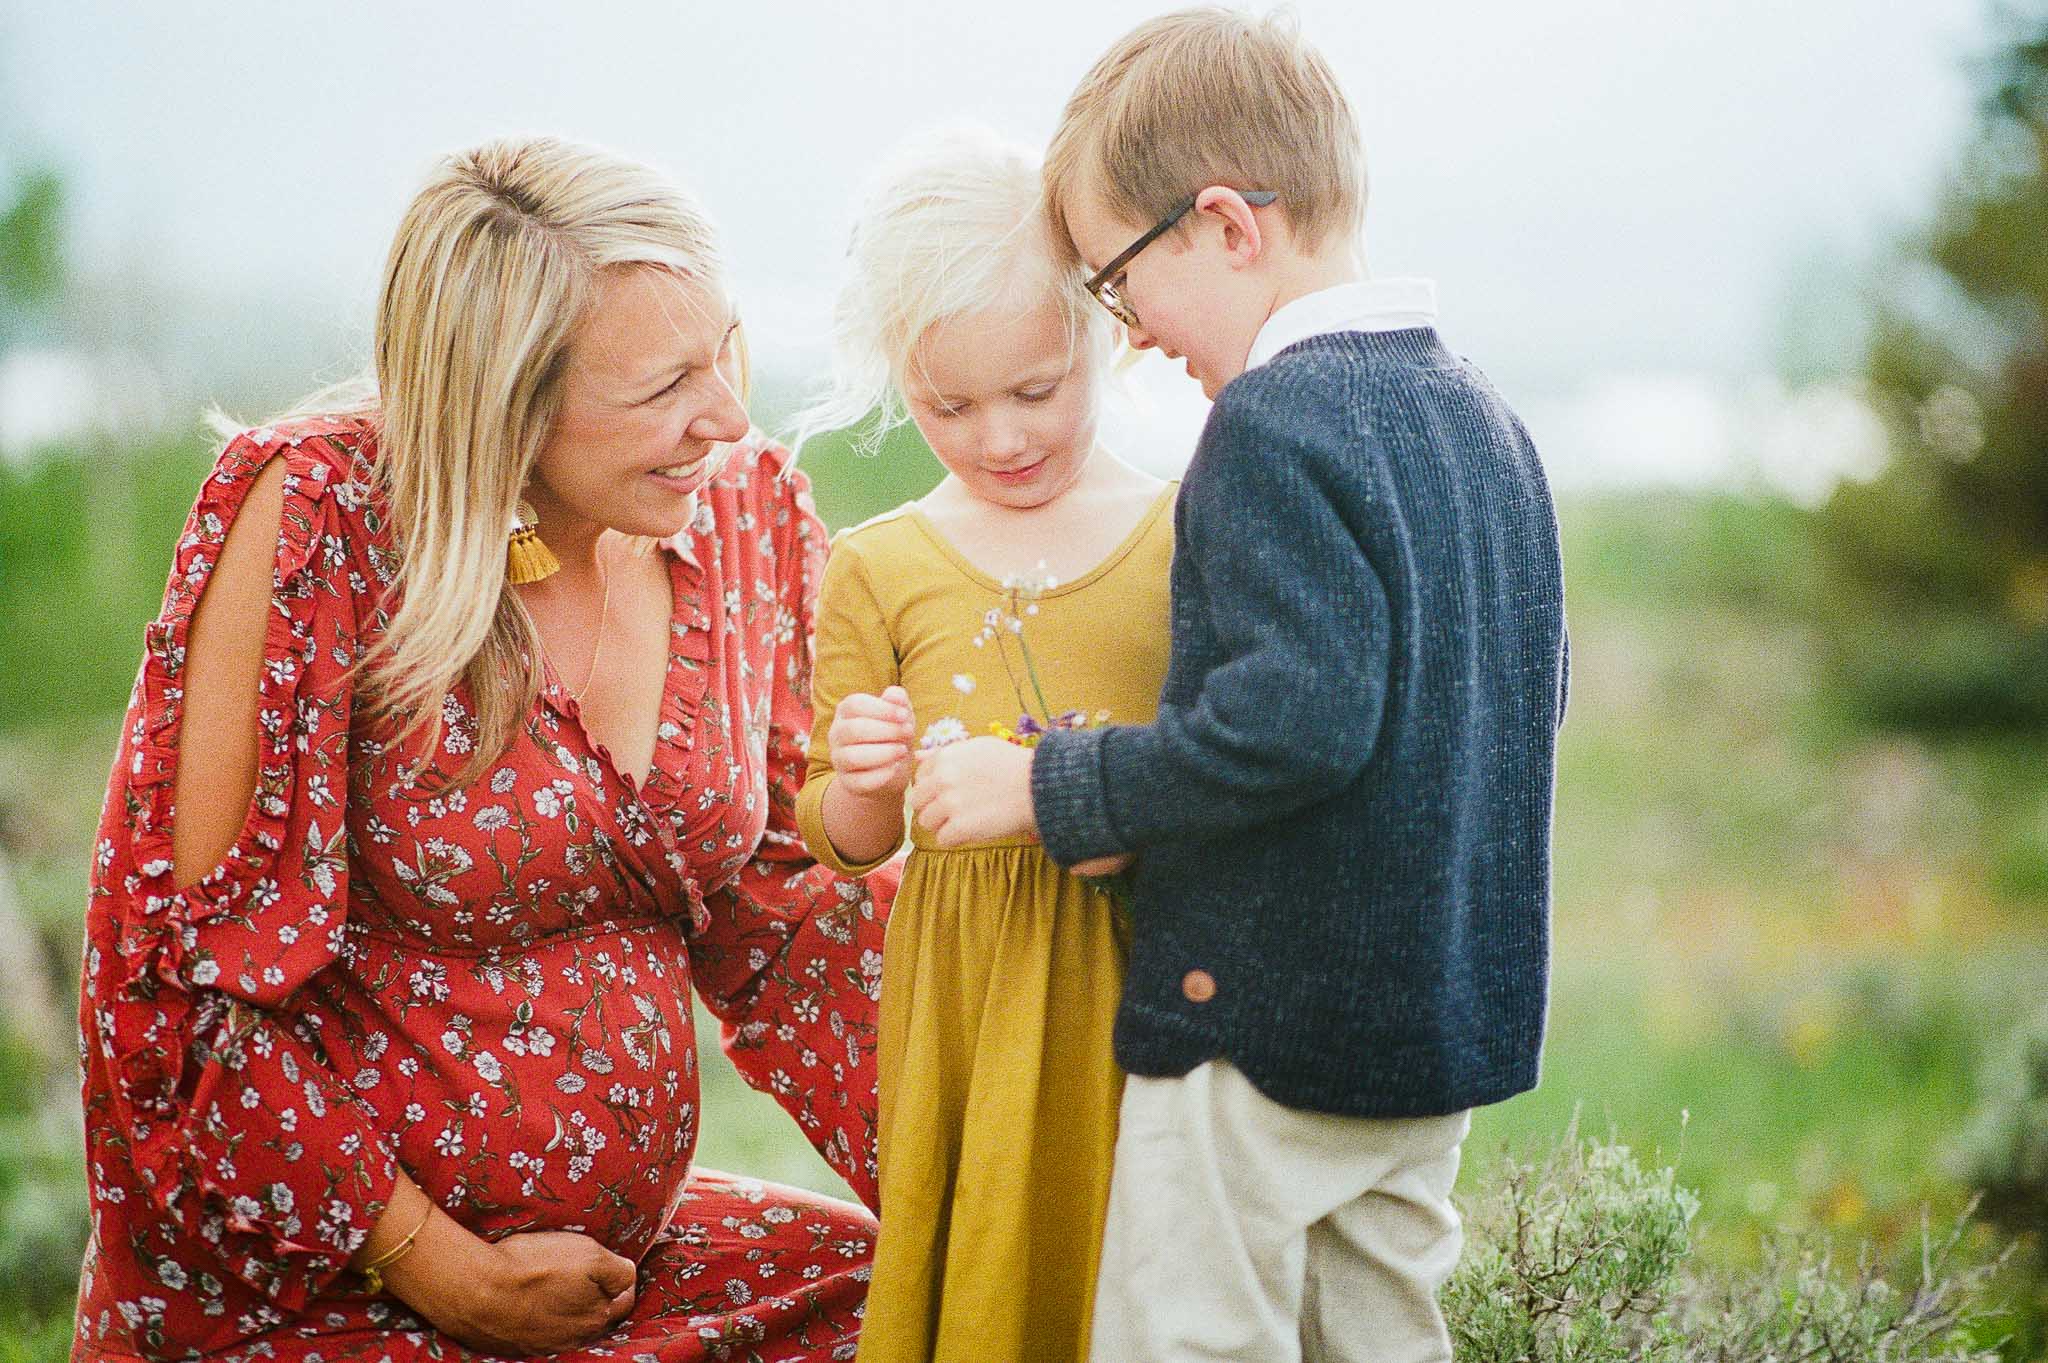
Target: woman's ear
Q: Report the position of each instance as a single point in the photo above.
(1242, 238)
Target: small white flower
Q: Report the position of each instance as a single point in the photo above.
(942, 732)
(963, 682)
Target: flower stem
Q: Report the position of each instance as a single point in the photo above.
(1003, 652)
(1030, 667)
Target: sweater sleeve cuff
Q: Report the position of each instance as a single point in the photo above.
(1068, 799)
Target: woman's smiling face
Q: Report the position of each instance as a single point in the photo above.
(1006, 401)
(649, 400)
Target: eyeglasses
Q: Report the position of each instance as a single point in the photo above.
(1107, 282)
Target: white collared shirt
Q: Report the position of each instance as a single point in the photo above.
(1371, 305)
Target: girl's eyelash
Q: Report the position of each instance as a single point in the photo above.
(1038, 394)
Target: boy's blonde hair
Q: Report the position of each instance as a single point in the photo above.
(954, 224)
(1210, 97)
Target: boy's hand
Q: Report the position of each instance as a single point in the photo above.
(872, 740)
(976, 791)
(1104, 866)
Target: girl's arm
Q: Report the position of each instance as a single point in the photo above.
(862, 731)
(871, 742)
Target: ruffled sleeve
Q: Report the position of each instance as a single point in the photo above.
(205, 1073)
(791, 950)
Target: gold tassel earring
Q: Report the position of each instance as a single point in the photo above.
(527, 559)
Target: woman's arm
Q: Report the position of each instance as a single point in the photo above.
(223, 673)
(790, 957)
(536, 1293)
(231, 1117)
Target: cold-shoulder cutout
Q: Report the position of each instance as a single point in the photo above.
(216, 764)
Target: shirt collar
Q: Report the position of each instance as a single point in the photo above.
(1370, 305)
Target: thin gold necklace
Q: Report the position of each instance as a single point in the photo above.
(604, 613)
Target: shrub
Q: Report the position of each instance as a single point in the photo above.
(2005, 1150)
(1585, 1257)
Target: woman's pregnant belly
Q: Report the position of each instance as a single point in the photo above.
(552, 1087)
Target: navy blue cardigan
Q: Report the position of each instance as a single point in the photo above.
(1343, 810)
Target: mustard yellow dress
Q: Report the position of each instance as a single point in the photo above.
(1000, 972)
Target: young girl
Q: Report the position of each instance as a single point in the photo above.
(1001, 972)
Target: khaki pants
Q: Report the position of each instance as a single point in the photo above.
(1240, 1229)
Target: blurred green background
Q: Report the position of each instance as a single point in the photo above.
(1802, 827)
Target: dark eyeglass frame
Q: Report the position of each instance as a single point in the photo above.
(1103, 283)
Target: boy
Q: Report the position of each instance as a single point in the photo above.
(1341, 815)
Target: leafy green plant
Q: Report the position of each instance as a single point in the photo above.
(1586, 1257)
(1576, 1258)
(2005, 1150)
(1938, 611)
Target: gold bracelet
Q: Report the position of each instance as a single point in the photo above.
(373, 1272)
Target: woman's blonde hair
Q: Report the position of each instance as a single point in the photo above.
(952, 225)
(488, 279)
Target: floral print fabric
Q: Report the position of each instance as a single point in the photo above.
(489, 986)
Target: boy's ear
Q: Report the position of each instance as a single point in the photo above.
(1242, 238)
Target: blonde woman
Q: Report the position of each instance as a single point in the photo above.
(466, 744)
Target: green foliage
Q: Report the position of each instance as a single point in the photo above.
(1585, 1258)
(86, 541)
(34, 1338)
(42, 1185)
(2005, 1151)
(1577, 1258)
(1799, 1304)
(852, 483)
(1937, 602)
(31, 241)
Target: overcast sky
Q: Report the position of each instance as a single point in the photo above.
(1608, 192)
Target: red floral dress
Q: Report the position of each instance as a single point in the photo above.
(489, 987)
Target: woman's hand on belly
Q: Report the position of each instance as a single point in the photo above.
(538, 1292)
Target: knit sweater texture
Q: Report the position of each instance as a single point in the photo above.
(1342, 813)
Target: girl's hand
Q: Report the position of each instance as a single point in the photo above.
(873, 739)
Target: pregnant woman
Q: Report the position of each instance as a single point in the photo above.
(465, 746)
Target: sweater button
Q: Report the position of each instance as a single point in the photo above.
(1198, 986)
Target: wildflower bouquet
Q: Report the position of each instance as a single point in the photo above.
(1003, 627)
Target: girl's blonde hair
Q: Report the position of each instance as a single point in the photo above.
(954, 224)
(488, 280)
